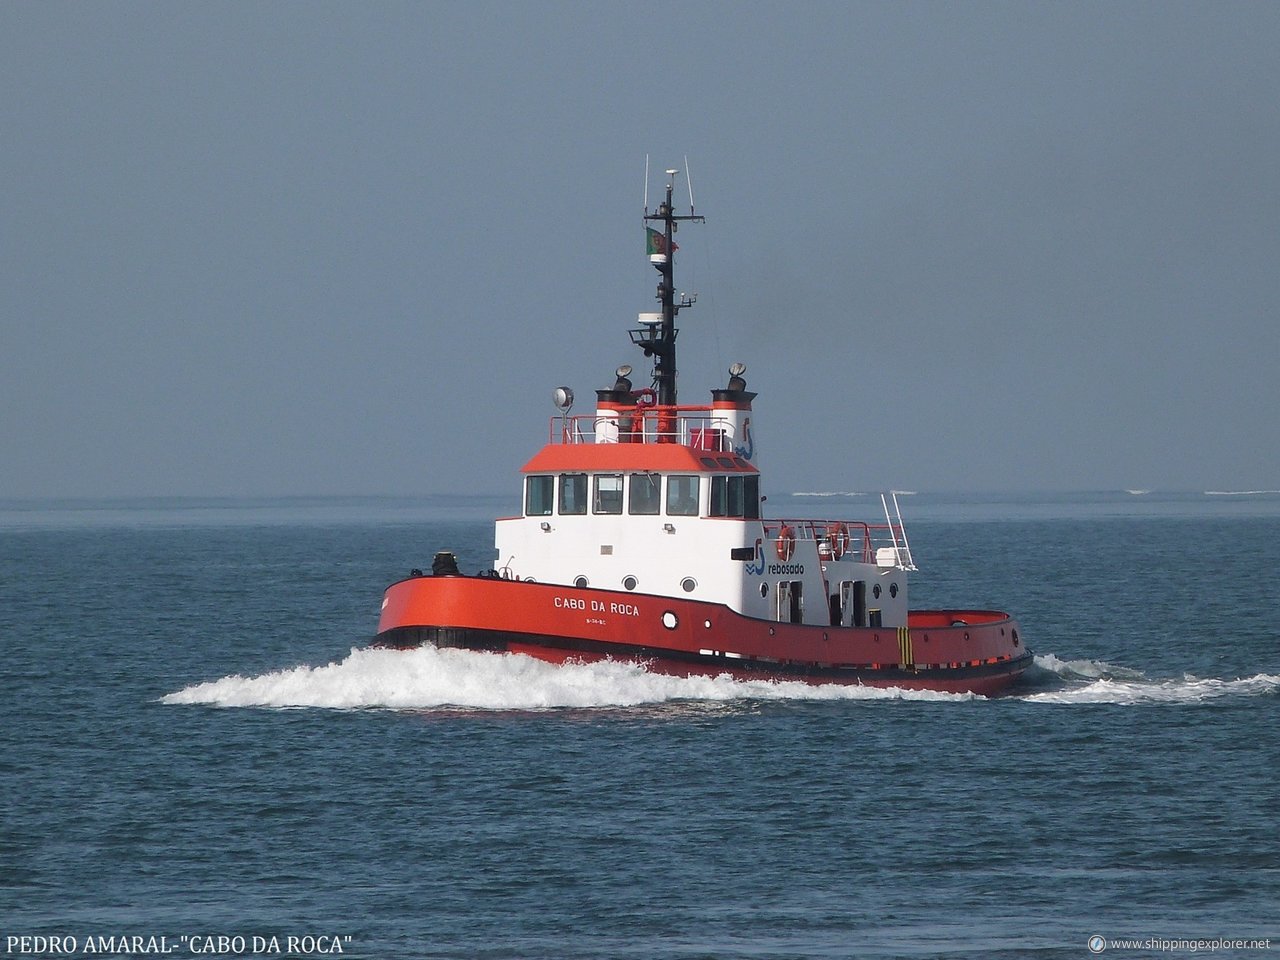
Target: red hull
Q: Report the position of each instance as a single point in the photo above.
(977, 651)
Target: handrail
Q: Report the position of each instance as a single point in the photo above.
(910, 564)
(864, 537)
(701, 427)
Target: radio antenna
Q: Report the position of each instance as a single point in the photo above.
(689, 180)
(646, 183)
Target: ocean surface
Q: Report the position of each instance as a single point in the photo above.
(199, 755)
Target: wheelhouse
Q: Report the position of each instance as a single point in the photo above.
(642, 493)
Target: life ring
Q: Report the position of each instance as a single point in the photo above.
(839, 534)
(786, 543)
(646, 397)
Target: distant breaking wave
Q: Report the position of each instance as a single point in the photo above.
(827, 493)
(431, 679)
(1241, 493)
(847, 493)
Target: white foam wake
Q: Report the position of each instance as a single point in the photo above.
(1111, 684)
(1085, 669)
(427, 678)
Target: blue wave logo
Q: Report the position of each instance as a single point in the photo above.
(757, 568)
(749, 450)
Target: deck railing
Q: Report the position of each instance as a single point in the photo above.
(702, 428)
(880, 543)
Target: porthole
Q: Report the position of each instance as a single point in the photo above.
(893, 589)
(875, 591)
(688, 584)
(579, 582)
(764, 589)
(630, 582)
(670, 620)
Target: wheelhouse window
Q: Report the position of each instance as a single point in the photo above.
(645, 494)
(682, 496)
(737, 495)
(573, 493)
(719, 496)
(751, 496)
(608, 493)
(539, 492)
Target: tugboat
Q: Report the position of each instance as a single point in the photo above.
(643, 538)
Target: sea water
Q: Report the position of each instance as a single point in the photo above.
(200, 755)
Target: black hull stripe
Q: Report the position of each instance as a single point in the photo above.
(498, 641)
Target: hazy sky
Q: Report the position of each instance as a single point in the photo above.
(314, 248)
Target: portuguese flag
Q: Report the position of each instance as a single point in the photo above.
(656, 242)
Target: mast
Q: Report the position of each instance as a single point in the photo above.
(658, 335)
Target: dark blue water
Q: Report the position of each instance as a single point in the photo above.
(193, 744)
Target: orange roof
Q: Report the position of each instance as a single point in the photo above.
(667, 457)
